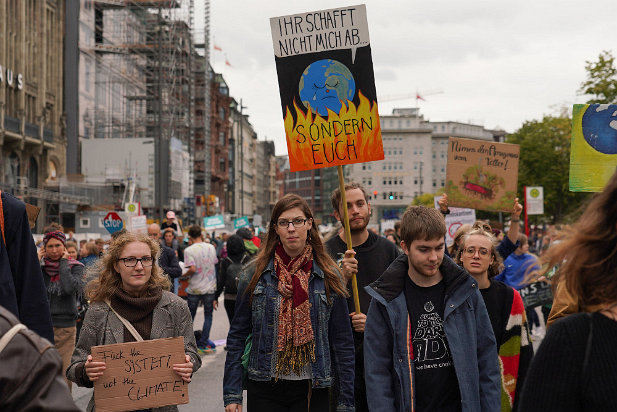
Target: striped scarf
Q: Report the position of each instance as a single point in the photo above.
(296, 342)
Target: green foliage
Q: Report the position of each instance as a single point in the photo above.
(545, 161)
(601, 80)
(425, 199)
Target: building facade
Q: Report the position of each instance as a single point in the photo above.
(416, 154)
(32, 121)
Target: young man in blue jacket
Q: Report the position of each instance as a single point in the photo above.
(429, 344)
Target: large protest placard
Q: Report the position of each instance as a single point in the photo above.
(327, 87)
(482, 175)
(457, 217)
(593, 148)
(139, 375)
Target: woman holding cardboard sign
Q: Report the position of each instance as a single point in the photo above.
(130, 302)
(292, 301)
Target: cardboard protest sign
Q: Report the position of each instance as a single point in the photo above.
(457, 217)
(327, 87)
(139, 375)
(593, 149)
(482, 175)
(536, 294)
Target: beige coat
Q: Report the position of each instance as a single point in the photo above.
(171, 318)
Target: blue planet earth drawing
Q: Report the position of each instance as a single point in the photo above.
(324, 85)
(600, 127)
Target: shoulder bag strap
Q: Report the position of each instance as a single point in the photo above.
(126, 323)
(10, 334)
(2, 218)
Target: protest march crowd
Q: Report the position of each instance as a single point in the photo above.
(434, 328)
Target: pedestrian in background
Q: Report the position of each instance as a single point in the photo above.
(478, 255)
(200, 260)
(168, 260)
(229, 275)
(131, 286)
(292, 303)
(64, 278)
(575, 367)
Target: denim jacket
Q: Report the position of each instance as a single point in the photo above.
(388, 361)
(334, 350)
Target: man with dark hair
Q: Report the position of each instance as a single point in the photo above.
(432, 345)
(370, 257)
(168, 260)
(200, 260)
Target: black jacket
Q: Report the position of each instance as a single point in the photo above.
(22, 290)
(169, 262)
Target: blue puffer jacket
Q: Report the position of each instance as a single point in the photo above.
(334, 349)
(389, 365)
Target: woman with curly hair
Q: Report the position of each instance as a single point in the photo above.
(293, 302)
(575, 368)
(132, 288)
(478, 255)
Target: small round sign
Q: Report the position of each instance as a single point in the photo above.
(534, 193)
(132, 208)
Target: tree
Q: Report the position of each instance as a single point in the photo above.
(545, 161)
(426, 199)
(601, 80)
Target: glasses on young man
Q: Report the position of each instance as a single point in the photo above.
(131, 262)
(471, 251)
(297, 222)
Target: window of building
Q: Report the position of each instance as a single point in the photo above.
(222, 138)
(222, 165)
(85, 222)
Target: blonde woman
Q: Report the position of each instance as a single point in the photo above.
(132, 285)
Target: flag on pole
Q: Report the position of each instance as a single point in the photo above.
(418, 97)
(227, 63)
(217, 47)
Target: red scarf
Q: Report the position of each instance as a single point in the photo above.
(296, 342)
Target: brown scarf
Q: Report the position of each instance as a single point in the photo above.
(296, 342)
(138, 311)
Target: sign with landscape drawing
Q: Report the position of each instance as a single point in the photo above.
(482, 175)
(327, 87)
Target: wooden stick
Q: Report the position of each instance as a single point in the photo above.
(354, 281)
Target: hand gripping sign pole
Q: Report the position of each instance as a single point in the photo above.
(354, 281)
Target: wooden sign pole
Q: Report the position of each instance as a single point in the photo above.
(354, 281)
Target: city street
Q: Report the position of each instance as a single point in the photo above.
(206, 389)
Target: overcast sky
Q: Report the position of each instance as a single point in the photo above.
(497, 63)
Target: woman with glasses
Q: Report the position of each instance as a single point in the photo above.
(291, 302)
(478, 255)
(132, 287)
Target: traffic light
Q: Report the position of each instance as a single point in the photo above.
(391, 197)
(375, 194)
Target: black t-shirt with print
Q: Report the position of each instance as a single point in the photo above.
(436, 385)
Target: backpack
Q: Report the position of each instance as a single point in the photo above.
(232, 276)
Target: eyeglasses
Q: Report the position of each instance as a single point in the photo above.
(131, 262)
(297, 222)
(471, 251)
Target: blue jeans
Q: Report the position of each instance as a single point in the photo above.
(193, 302)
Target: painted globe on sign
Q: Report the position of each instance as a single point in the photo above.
(324, 85)
(600, 127)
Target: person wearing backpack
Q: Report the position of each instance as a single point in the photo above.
(231, 267)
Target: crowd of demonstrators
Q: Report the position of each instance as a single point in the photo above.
(436, 348)
(478, 255)
(130, 301)
(292, 304)
(575, 366)
(63, 277)
(200, 260)
(370, 257)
